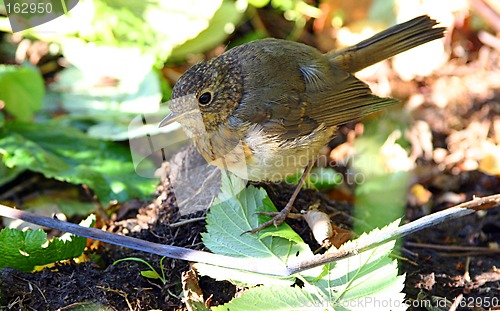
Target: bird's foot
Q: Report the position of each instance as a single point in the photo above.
(278, 219)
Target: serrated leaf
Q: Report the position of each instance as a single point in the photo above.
(66, 154)
(227, 221)
(352, 281)
(273, 298)
(240, 277)
(347, 284)
(26, 250)
(22, 90)
(231, 185)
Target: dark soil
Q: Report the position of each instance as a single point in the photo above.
(98, 284)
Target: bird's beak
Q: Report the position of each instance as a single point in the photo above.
(170, 118)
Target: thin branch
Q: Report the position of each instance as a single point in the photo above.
(185, 222)
(352, 249)
(454, 247)
(176, 252)
(256, 265)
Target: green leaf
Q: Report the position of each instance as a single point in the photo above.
(371, 276)
(110, 107)
(68, 201)
(22, 90)
(240, 277)
(320, 178)
(150, 274)
(382, 167)
(227, 221)
(66, 154)
(259, 3)
(221, 25)
(7, 174)
(155, 27)
(324, 178)
(26, 250)
(276, 297)
(133, 89)
(231, 216)
(380, 200)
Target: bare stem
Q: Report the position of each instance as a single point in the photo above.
(457, 211)
(255, 265)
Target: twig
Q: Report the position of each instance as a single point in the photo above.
(185, 222)
(487, 12)
(454, 247)
(249, 264)
(256, 265)
(462, 254)
(467, 273)
(456, 303)
(37, 287)
(489, 39)
(352, 249)
(20, 187)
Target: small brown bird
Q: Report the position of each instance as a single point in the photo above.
(265, 109)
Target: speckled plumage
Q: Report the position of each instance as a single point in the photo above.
(274, 101)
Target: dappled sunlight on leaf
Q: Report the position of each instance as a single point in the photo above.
(21, 91)
(25, 250)
(74, 157)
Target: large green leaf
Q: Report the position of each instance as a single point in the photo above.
(22, 91)
(154, 26)
(382, 170)
(276, 297)
(109, 107)
(234, 213)
(66, 154)
(230, 218)
(7, 174)
(24, 250)
(221, 25)
(368, 279)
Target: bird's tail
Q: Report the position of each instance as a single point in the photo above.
(387, 43)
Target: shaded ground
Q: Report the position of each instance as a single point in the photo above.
(101, 285)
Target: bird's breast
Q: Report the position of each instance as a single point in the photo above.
(258, 156)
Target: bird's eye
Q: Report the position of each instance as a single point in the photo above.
(205, 98)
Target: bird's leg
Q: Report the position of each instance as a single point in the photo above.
(281, 216)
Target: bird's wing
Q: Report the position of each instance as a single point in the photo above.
(282, 113)
(344, 98)
(316, 94)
